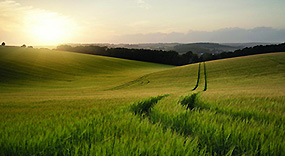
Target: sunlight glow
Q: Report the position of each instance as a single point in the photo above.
(50, 32)
(50, 28)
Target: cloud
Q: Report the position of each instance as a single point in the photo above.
(143, 4)
(227, 35)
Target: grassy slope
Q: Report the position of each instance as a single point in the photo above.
(245, 100)
(254, 82)
(33, 68)
(65, 103)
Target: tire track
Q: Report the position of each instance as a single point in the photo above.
(205, 76)
(144, 107)
(198, 78)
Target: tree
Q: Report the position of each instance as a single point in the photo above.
(207, 57)
(189, 57)
(24, 46)
(3, 44)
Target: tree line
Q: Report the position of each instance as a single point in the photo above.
(23, 46)
(260, 49)
(168, 57)
(147, 55)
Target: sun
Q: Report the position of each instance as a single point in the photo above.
(51, 32)
(50, 29)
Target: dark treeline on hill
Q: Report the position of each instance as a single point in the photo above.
(155, 56)
(169, 57)
(260, 49)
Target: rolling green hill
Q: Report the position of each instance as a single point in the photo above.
(265, 71)
(244, 104)
(54, 102)
(33, 68)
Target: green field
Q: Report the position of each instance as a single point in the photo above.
(63, 103)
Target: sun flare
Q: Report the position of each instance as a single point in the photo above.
(51, 32)
(51, 29)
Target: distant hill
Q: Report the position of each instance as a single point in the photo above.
(197, 48)
(191, 53)
(200, 48)
(244, 45)
(150, 46)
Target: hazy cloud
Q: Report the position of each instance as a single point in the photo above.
(258, 34)
(143, 4)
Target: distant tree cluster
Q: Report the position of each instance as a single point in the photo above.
(155, 56)
(260, 49)
(23, 46)
(168, 57)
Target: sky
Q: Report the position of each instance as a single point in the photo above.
(36, 22)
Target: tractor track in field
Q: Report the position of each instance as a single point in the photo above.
(141, 80)
(198, 78)
(214, 138)
(205, 76)
(199, 75)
